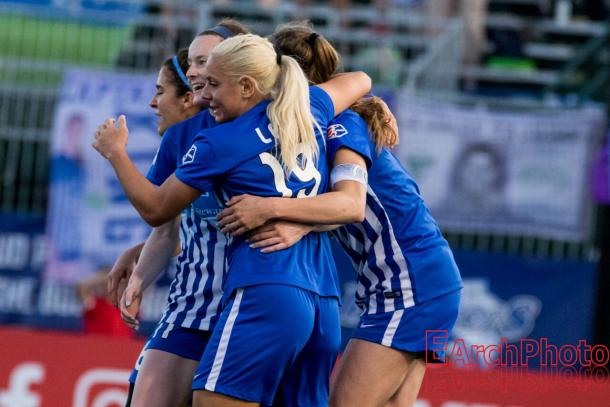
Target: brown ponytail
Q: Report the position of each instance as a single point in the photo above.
(320, 61)
(316, 56)
(381, 122)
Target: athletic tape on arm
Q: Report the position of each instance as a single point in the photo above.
(348, 172)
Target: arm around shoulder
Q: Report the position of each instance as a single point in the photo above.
(346, 88)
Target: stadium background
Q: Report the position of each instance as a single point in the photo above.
(531, 239)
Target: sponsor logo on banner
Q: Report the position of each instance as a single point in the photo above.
(19, 392)
(92, 371)
(65, 370)
(485, 318)
(101, 387)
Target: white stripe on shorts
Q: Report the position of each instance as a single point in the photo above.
(169, 328)
(390, 331)
(157, 330)
(210, 385)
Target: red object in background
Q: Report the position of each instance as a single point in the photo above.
(51, 369)
(103, 318)
(61, 370)
(496, 388)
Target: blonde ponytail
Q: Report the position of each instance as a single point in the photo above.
(290, 115)
(284, 83)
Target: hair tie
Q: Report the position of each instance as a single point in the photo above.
(180, 73)
(311, 40)
(278, 55)
(220, 30)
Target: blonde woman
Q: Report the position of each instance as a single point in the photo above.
(407, 280)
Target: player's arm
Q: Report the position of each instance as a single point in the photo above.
(156, 205)
(344, 204)
(346, 88)
(162, 244)
(159, 248)
(280, 234)
(121, 271)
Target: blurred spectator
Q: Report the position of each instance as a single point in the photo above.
(340, 7)
(474, 13)
(268, 3)
(157, 36)
(382, 61)
(99, 315)
(299, 12)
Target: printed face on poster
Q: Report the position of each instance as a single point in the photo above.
(504, 172)
(90, 220)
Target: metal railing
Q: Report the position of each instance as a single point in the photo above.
(430, 53)
(40, 45)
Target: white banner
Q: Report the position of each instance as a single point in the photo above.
(518, 173)
(90, 221)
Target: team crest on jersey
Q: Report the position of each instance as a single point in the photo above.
(189, 157)
(336, 131)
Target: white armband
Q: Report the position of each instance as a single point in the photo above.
(348, 172)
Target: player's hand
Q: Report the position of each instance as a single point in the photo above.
(110, 139)
(277, 235)
(120, 273)
(243, 214)
(130, 302)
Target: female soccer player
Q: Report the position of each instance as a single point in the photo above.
(165, 369)
(173, 103)
(280, 323)
(408, 282)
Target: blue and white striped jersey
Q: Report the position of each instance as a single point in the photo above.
(398, 251)
(241, 156)
(195, 293)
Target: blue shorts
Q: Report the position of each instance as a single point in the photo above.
(184, 342)
(273, 344)
(405, 329)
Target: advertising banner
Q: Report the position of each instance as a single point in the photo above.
(503, 172)
(41, 369)
(56, 369)
(507, 299)
(89, 220)
(21, 263)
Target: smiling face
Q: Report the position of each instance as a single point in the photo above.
(170, 108)
(199, 50)
(229, 97)
(223, 93)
